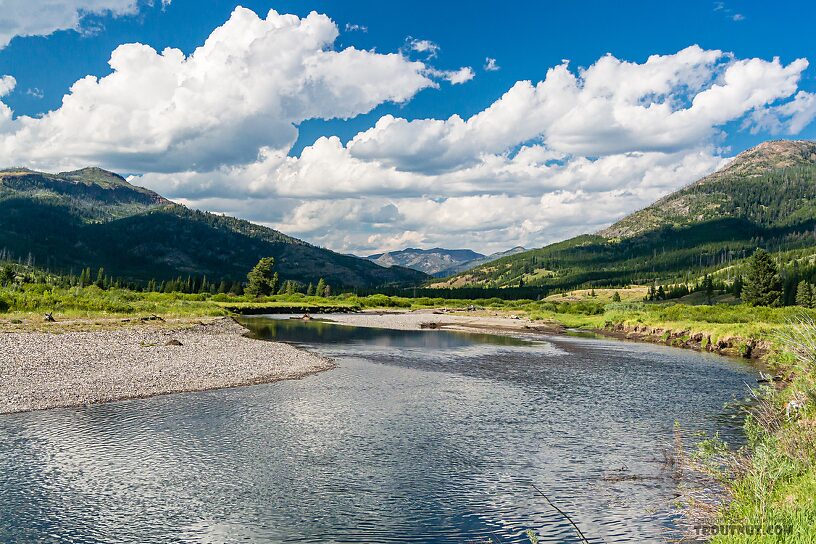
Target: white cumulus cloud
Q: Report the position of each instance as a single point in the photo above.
(44, 17)
(546, 160)
(245, 88)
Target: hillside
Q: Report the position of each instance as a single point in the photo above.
(430, 261)
(484, 259)
(765, 197)
(93, 218)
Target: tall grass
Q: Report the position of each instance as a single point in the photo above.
(772, 480)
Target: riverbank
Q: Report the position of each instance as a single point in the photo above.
(451, 320)
(695, 336)
(87, 362)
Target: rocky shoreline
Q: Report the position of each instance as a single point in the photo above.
(40, 370)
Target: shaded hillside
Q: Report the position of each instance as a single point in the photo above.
(766, 197)
(93, 218)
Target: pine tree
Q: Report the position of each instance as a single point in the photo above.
(100, 278)
(85, 277)
(310, 290)
(762, 286)
(616, 297)
(259, 279)
(708, 289)
(6, 275)
(804, 294)
(661, 293)
(321, 288)
(275, 283)
(736, 288)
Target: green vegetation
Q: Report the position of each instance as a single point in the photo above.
(765, 198)
(772, 480)
(762, 286)
(92, 218)
(262, 280)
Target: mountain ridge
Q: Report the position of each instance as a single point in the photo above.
(95, 218)
(429, 261)
(764, 197)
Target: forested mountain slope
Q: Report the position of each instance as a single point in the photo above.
(766, 197)
(93, 218)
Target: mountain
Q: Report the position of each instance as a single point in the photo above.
(484, 259)
(430, 261)
(94, 218)
(765, 197)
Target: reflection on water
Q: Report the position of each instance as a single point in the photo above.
(324, 332)
(416, 437)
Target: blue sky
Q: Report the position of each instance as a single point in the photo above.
(526, 39)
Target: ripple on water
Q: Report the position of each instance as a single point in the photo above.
(405, 442)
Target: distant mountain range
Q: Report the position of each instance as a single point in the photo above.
(765, 197)
(484, 259)
(94, 218)
(429, 261)
(438, 261)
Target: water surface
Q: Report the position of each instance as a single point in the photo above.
(417, 436)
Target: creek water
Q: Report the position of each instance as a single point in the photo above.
(416, 436)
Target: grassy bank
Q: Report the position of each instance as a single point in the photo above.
(771, 482)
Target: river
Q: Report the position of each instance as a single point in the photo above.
(417, 436)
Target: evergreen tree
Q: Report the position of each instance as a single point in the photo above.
(762, 286)
(6, 275)
(804, 294)
(259, 279)
(616, 297)
(275, 283)
(736, 288)
(321, 288)
(310, 290)
(708, 289)
(85, 277)
(661, 293)
(100, 278)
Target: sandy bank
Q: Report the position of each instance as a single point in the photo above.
(41, 370)
(424, 319)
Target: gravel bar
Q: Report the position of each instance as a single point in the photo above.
(40, 370)
(418, 319)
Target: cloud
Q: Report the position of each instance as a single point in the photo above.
(728, 12)
(245, 89)
(356, 28)
(490, 65)
(455, 77)
(427, 47)
(7, 84)
(546, 160)
(789, 118)
(44, 17)
(35, 92)
(667, 103)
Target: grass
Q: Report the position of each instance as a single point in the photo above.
(771, 482)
